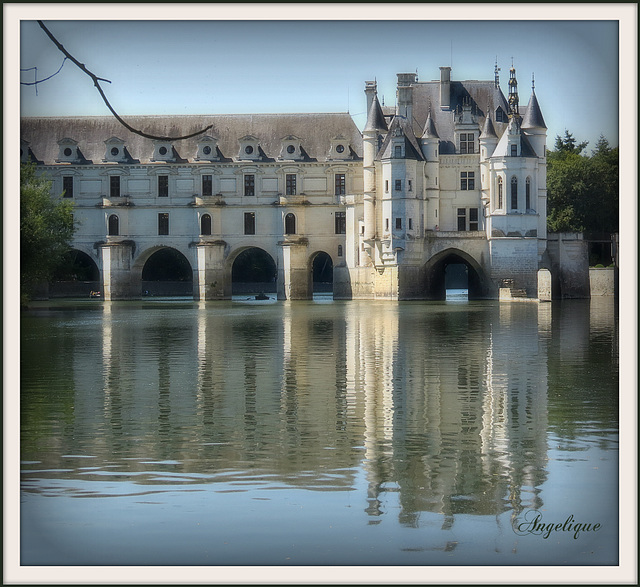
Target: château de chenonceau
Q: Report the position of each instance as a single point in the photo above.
(455, 173)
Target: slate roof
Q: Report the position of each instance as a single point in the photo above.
(411, 147)
(526, 150)
(484, 98)
(533, 117)
(315, 130)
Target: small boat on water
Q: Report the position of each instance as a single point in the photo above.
(95, 294)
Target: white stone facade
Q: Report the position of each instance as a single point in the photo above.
(454, 174)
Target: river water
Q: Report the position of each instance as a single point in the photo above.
(174, 432)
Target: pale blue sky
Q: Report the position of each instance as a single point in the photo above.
(219, 67)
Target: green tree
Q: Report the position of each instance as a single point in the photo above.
(46, 230)
(582, 191)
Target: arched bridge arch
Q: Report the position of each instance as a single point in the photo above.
(252, 270)
(478, 283)
(164, 271)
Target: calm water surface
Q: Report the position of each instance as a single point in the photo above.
(172, 432)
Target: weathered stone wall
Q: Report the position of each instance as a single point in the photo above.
(569, 258)
(602, 281)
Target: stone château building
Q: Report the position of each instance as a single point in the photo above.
(454, 174)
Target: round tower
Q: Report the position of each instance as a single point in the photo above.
(374, 126)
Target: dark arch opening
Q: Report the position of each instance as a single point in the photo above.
(77, 266)
(454, 273)
(254, 271)
(167, 272)
(76, 276)
(322, 270)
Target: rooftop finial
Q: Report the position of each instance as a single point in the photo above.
(533, 81)
(497, 75)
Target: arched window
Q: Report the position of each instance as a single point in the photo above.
(205, 224)
(290, 224)
(527, 193)
(514, 193)
(114, 225)
(499, 193)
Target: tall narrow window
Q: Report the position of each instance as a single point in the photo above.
(409, 185)
(249, 185)
(467, 180)
(500, 193)
(514, 193)
(163, 186)
(290, 184)
(466, 143)
(386, 224)
(410, 223)
(290, 224)
(339, 250)
(527, 193)
(386, 185)
(114, 186)
(163, 223)
(398, 223)
(398, 185)
(398, 151)
(341, 223)
(340, 184)
(249, 222)
(67, 186)
(205, 225)
(473, 218)
(207, 185)
(114, 225)
(462, 219)
(514, 150)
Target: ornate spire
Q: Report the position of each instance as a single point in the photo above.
(497, 75)
(513, 99)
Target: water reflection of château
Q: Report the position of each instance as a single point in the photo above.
(446, 410)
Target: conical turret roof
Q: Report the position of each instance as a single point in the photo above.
(488, 131)
(430, 131)
(533, 116)
(375, 117)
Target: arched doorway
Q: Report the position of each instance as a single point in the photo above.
(322, 273)
(167, 272)
(77, 276)
(254, 272)
(455, 272)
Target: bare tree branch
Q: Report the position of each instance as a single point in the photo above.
(96, 83)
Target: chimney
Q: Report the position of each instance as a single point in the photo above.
(370, 90)
(445, 88)
(405, 95)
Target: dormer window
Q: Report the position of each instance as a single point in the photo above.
(114, 150)
(339, 148)
(249, 148)
(291, 148)
(500, 115)
(163, 151)
(207, 149)
(68, 151)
